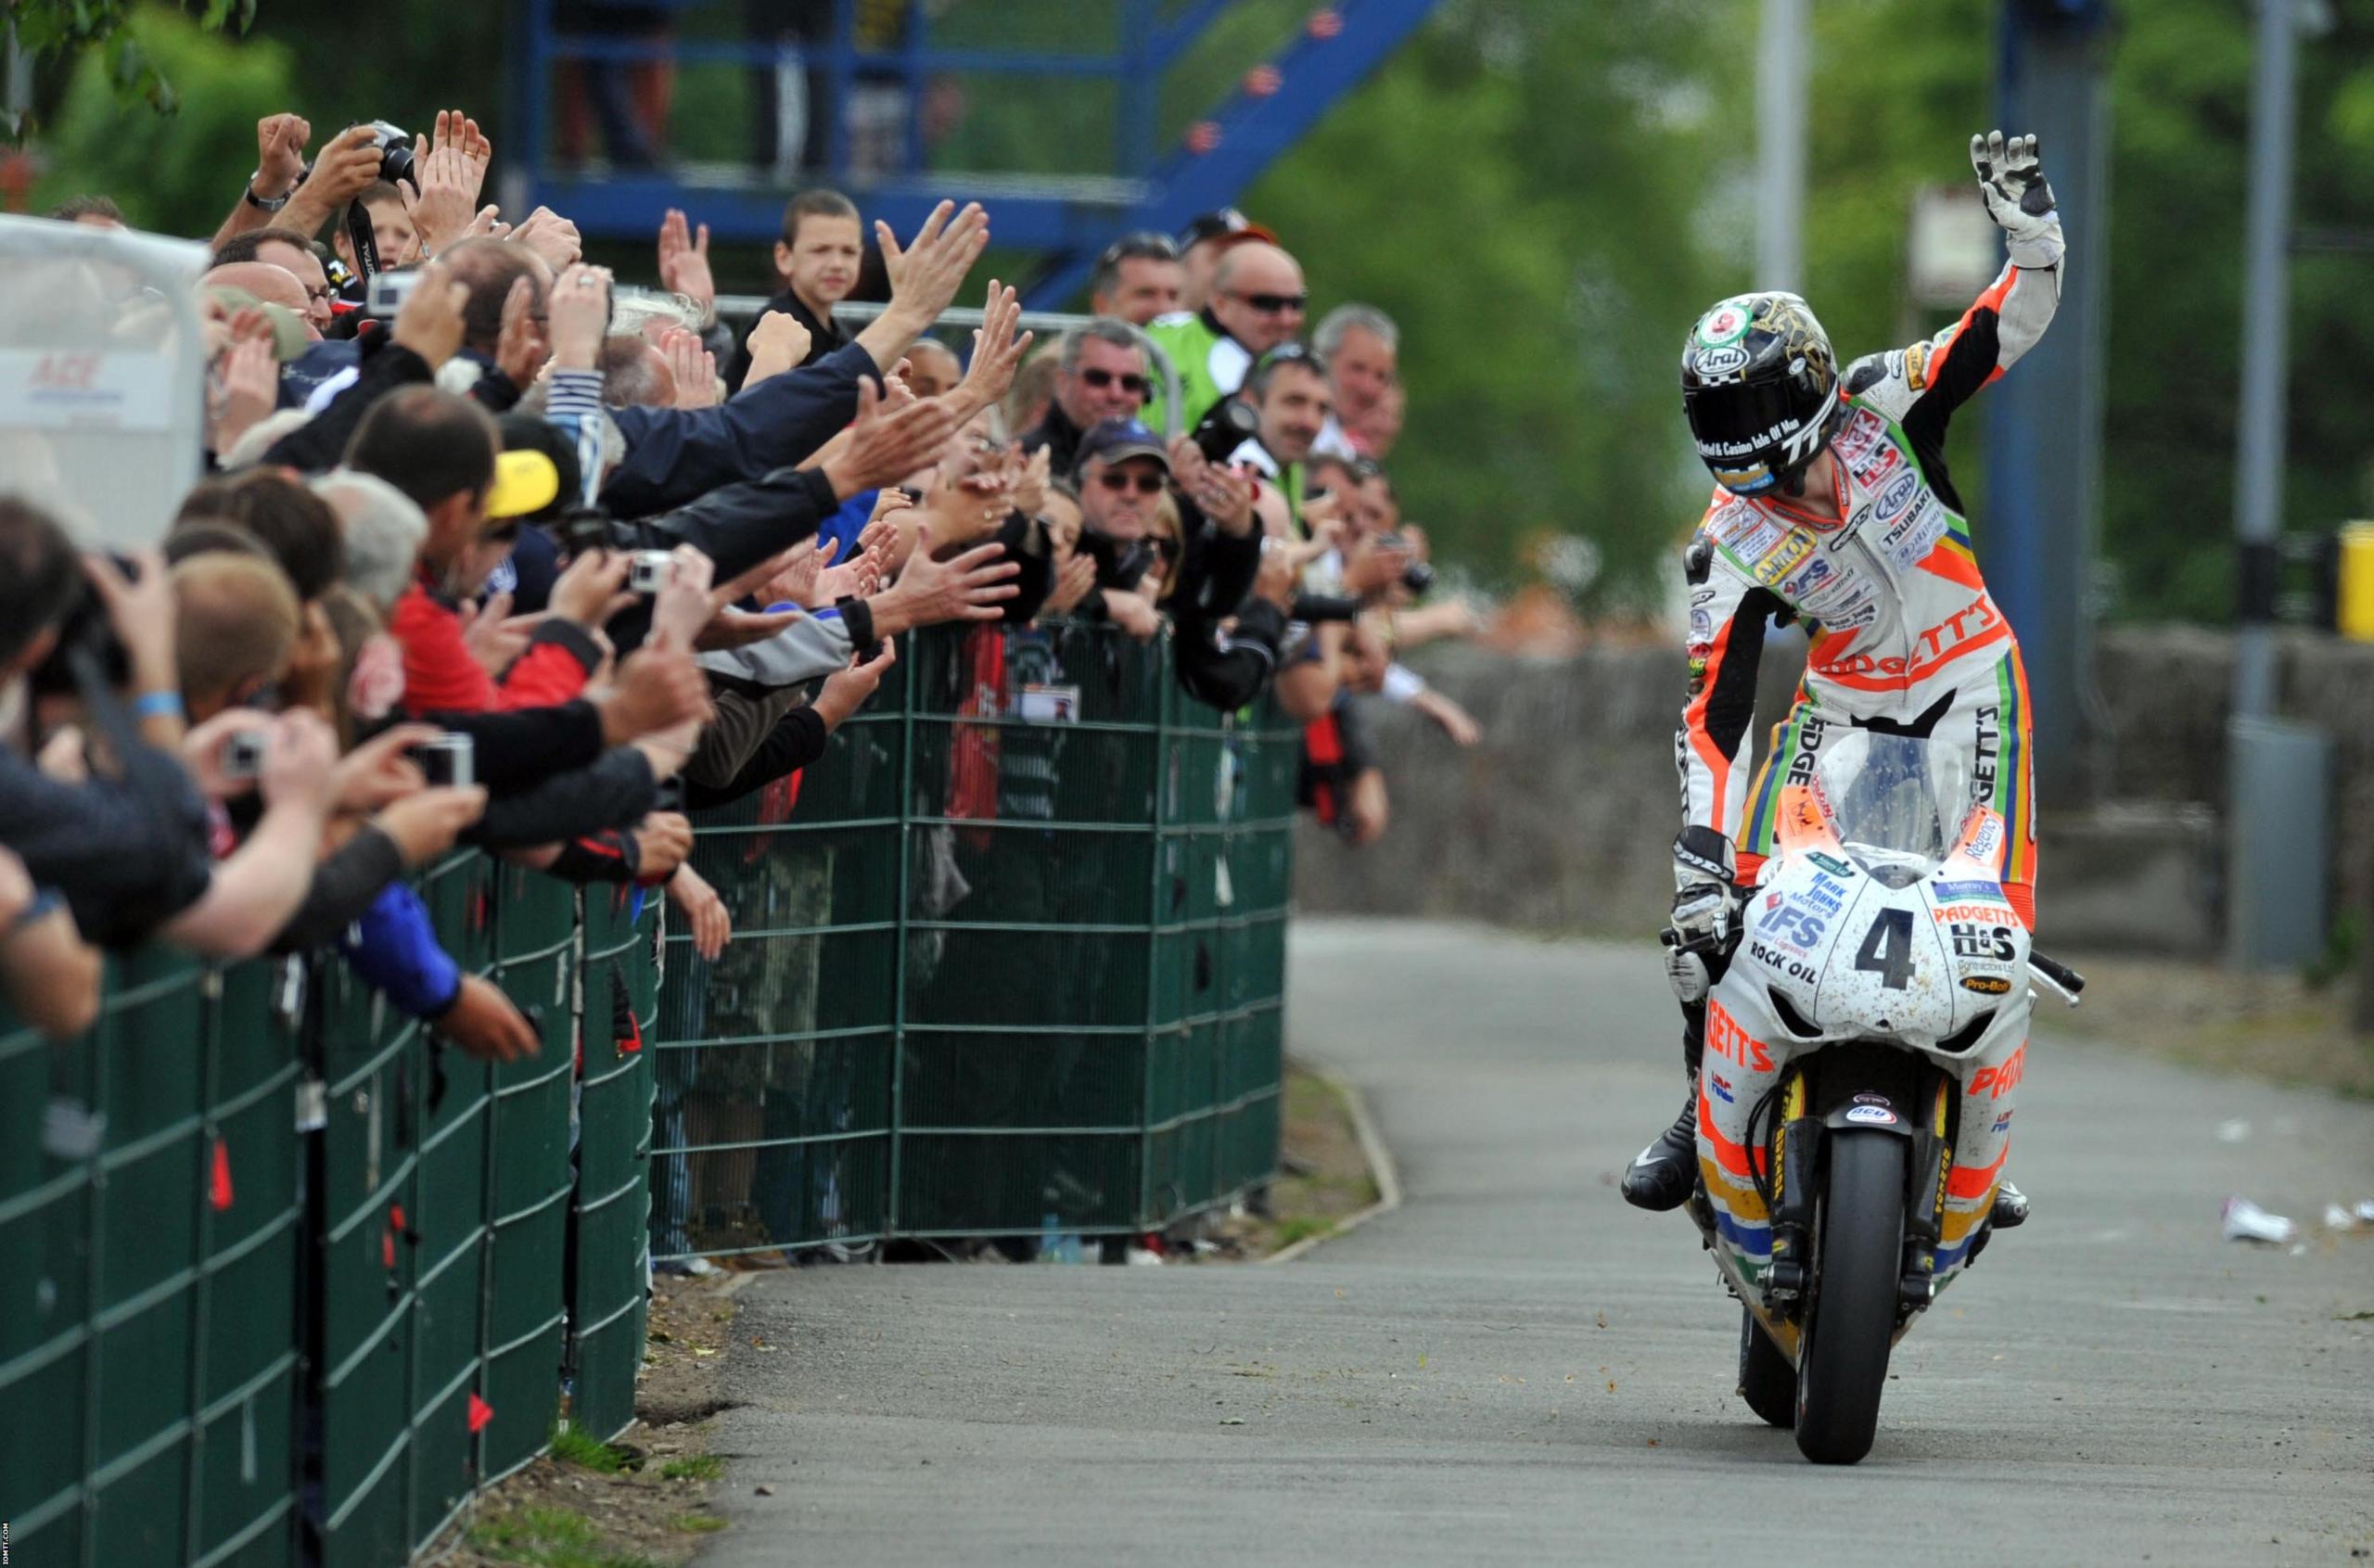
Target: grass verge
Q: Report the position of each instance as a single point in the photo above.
(2277, 1027)
(1325, 1178)
(636, 1503)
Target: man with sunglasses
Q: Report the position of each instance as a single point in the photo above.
(1138, 278)
(1257, 303)
(295, 254)
(1122, 472)
(1101, 376)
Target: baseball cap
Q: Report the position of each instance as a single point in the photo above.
(1111, 440)
(288, 339)
(526, 433)
(1229, 224)
(524, 482)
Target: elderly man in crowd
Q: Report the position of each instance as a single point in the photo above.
(1101, 375)
(1362, 346)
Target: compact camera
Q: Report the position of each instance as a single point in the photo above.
(386, 293)
(650, 571)
(448, 762)
(1420, 576)
(243, 754)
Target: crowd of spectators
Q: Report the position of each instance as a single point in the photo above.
(494, 550)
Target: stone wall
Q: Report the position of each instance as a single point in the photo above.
(1562, 819)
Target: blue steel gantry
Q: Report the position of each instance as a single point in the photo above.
(1066, 219)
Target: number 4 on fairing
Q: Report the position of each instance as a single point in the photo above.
(1887, 950)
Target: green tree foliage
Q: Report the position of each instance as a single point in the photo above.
(2180, 107)
(58, 34)
(177, 173)
(1524, 189)
(1545, 194)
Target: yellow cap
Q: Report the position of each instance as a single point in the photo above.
(524, 482)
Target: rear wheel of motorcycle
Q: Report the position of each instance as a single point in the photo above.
(1766, 1381)
(1842, 1360)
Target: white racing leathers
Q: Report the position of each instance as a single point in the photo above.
(1904, 634)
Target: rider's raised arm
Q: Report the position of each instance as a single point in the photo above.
(1921, 385)
(1730, 612)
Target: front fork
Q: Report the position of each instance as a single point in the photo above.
(1796, 1146)
(1797, 1139)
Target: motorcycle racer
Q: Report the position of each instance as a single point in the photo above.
(1833, 507)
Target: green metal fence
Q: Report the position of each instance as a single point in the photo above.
(289, 1280)
(1013, 964)
(149, 1213)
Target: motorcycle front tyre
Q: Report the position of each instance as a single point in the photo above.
(1766, 1381)
(1842, 1360)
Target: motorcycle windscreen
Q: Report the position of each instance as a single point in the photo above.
(1804, 822)
(1897, 803)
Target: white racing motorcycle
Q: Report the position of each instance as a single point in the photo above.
(1864, 1050)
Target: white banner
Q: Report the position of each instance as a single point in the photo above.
(85, 388)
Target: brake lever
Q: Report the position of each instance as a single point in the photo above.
(2058, 978)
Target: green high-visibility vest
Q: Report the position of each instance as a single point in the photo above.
(1211, 364)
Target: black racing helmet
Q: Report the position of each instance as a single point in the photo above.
(1760, 385)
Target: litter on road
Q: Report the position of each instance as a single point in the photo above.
(2245, 1221)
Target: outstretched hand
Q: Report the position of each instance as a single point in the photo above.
(684, 259)
(997, 351)
(2011, 180)
(925, 275)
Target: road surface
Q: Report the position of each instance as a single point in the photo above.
(1516, 1367)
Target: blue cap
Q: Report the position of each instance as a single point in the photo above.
(1111, 440)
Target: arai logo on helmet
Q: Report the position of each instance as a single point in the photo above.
(1713, 363)
(1876, 1115)
(1727, 323)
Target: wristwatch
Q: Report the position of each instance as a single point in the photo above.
(259, 203)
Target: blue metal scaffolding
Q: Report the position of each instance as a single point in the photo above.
(1066, 218)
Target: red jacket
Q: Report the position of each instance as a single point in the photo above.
(442, 675)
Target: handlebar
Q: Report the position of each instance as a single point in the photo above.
(2059, 976)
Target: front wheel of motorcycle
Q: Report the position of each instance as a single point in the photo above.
(1842, 1360)
(1766, 1381)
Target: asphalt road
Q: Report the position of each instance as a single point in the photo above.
(1516, 1367)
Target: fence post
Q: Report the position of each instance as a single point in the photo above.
(898, 936)
(1146, 1209)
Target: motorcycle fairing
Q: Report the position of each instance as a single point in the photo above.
(1808, 935)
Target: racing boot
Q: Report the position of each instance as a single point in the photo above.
(2010, 1208)
(1661, 1174)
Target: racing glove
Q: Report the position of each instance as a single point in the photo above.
(1703, 866)
(2011, 180)
(1687, 972)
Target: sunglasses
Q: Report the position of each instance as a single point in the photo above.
(1274, 304)
(1136, 386)
(1135, 247)
(1145, 484)
(1292, 354)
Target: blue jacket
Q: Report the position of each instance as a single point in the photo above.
(676, 455)
(301, 376)
(395, 952)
